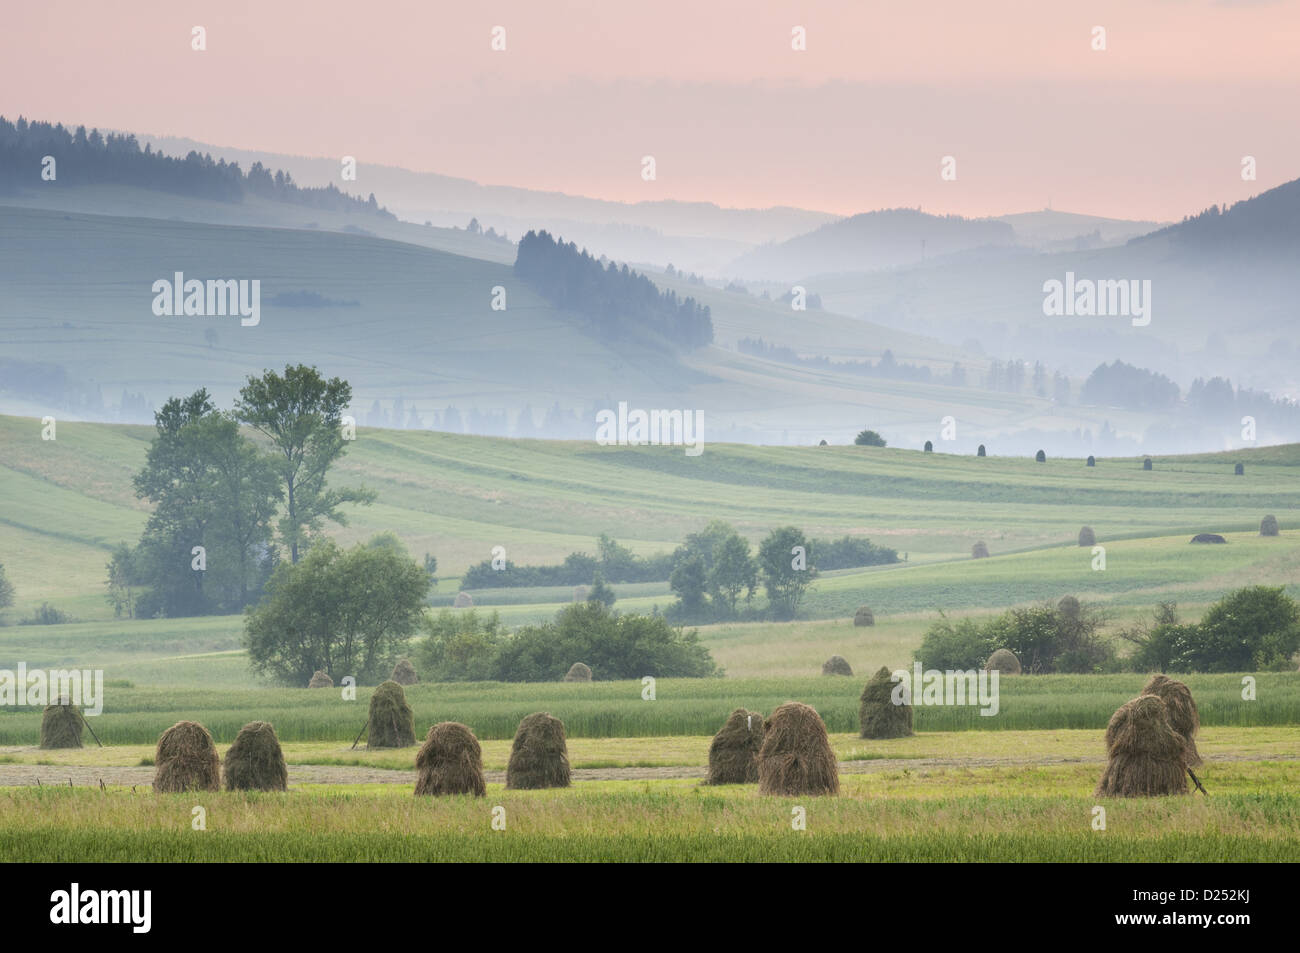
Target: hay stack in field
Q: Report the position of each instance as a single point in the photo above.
(1239, 470)
(578, 672)
(463, 600)
(1183, 717)
(186, 760)
(1069, 607)
(1208, 538)
(1087, 537)
(404, 673)
(255, 761)
(1003, 661)
(1146, 464)
(450, 762)
(580, 593)
(795, 756)
(1040, 457)
(878, 716)
(539, 757)
(391, 723)
(980, 550)
(981, 451)
(864, 616)
(1146, 757)
(836, 665)
(733, 753)
(61, 725)
(1268, 526)
(320, 680)
(1092, 461)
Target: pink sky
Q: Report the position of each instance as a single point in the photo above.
(1154, 127)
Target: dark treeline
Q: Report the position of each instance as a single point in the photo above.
(615, 563)
(620, 304)
(89, 158)
(887, 366)
(1267, 220)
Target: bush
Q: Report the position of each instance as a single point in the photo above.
(460, 646)
(869, 438)
(1254, 628)
(337, 611)
(47, 615)
(613, 645)
(955, 646)
(1062, 638)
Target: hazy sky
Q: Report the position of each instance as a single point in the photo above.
(1153, 127)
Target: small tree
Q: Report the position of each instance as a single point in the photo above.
(1257, 627)
(783, 559)
(869, 438)
(600, 592)
(342, 612)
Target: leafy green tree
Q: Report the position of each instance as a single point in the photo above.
(431, 567)
(121, 581)
(786, 571)
(460, 646)
(600, 592)
(734, 571)
(301, 414)
(869, 438)
(1254, 628)
(344, 612)
(690, 581)
(211, 489)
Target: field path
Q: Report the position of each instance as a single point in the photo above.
(54, 775)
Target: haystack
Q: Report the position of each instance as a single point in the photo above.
(864, 616)
(1092, 461)
(929, 446)
(463, 600)
(1003, 661)
(1239, 470)
(578, 672)
(450, 762)
(539, 757)
(580, 593)
(1069, 607)
(320, 680)
(1268, 526)
(404, 673)
(1087, 537)
(61, 725)
(733, 753)
(391, 723)
(1183, 717)
(981, 451)
(186, 760)
(1146, 757)
(878, 716)
(1208, 538)
(980, 550)
(836, 665)
(795, 756)
(255, 761)
(1040, 457)
(1146, 464)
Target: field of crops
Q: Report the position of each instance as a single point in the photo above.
(968, 815)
